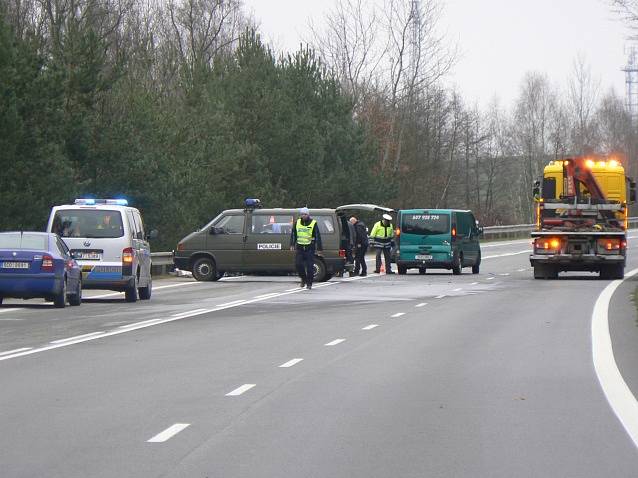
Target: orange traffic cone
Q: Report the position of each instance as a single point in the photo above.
(382, 269)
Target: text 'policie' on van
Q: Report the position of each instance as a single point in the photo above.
(256, 240)
(107, 239)
(437, 239)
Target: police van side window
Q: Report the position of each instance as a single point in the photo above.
(326, 224)
(131, 224)
(271, 224)
(231, 224)
(140, 225)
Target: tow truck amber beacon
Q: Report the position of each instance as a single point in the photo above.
(582, 217)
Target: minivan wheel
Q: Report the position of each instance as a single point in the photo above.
(204, 270)
(319, 271)
(456, 265)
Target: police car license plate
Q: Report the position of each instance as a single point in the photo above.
(87, 256)
(15, 265)
(422, 257)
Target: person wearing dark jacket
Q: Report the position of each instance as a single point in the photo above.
(360, 246)
(306, 240)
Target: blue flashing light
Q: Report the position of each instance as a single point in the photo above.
(252, 203)
(85, 201)
(93, 202)
(121, 202)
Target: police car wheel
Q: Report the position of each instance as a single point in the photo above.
(59, 300)
(204, 270)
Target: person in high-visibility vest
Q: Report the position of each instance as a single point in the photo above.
(382, 238)
(306, 240)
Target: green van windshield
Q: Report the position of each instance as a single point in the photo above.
(425, 224)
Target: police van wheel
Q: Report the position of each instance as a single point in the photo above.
(130, 293)
(204, 270)
(145, 292)
(402, 270)
(319, 271)
(422, 270)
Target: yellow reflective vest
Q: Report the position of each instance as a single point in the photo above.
(304, 233)
(382, 234)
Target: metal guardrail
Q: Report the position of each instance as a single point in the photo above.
(163, 261)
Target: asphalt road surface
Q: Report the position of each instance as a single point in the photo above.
(487, 375)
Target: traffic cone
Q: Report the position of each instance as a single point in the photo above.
(382, 269)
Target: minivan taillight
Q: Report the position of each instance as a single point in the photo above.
(127, 255)
(47, 263)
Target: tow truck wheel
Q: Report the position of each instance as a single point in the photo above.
(612, 271)
(539, 271)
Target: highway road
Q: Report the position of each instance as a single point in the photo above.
(488, 375)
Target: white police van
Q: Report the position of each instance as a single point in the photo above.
(106, 237)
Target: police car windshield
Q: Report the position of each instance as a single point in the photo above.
(14, 240)
(88, 223)
(425, 224)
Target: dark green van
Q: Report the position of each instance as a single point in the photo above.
(256, 240)
(437, 239)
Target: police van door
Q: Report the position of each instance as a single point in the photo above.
(268, 242)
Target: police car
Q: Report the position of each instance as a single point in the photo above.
(107, 239)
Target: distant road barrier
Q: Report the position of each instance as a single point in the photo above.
(163, 261)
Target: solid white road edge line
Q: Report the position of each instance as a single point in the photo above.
(8, 352)
(140, 325)
(77, 337)
(169, 433)
(239, 390)
(290, 363)
(2, 311)
(619, 396)
(334, 342)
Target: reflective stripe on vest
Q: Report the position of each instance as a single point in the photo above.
(304, 233)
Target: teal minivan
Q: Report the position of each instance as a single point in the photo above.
(437, 239)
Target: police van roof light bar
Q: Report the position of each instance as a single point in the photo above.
(93, 202)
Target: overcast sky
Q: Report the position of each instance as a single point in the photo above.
(499, 40)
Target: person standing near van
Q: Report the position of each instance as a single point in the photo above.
(360, 247)
(306, 240)
(382, 236)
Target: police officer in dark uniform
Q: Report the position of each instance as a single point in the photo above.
(306, 240)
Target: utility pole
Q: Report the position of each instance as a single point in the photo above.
(631, 103)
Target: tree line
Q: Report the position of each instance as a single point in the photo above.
(180, 107)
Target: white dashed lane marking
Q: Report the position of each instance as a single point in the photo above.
(398, 314)
(370, 327)
(169, 433)
(290, 363)
(335, 342)
(440, 296)
(239, 390)
(422, 304)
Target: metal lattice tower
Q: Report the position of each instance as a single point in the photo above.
(631, 82)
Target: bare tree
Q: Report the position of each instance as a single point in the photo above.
(583, 96)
